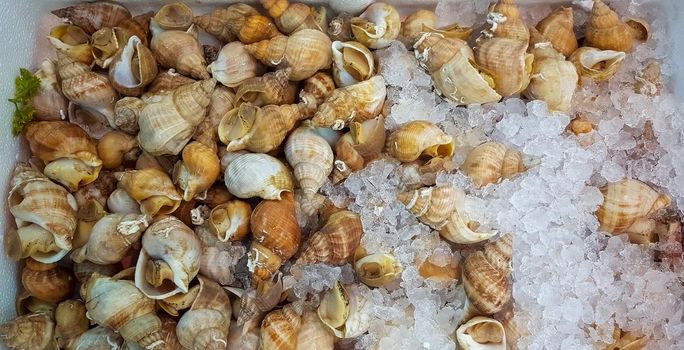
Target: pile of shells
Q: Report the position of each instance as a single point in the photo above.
(161, 213)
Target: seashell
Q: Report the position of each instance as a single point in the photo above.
(168, 120)
(641, 30)
(598, 65)
(358, 102)
(94, 15)
(491, 162)
(340, 27)
(121, 202)
(32, 331)
(505, 19)
(485, 277)
(221, 102)
(481, 333)
(293, 17)
(352, 63)
(648, 80)
(414, 25)
(119, 305)
(206, 324)
(72, 41)
(170, 251)
(280, 328)
(241, 337)
(434, 50)
(363, 143)
(96, 192)
(557, 28)
(180, 50)
(106, 43)
(311, 158)
(433, 206)
(126, 113)
(45, 214)
(219, 265)
(98, 338)
(217, 195)
(262, 262)
(198, 170)
(627, 205)
(175, 16)
(627, 340)
(132, 68)
(419, 138)
(238, 21)
(447, 273)
(111, 238)
(452, 31)
(116, 147)
(377, 270)
(605, 31)
(168, 331)
(234, 65)
(86, 88)
(168, 80)
(257, 175)
(306, 52)
(313, 334)
(49, 103)
(272, 88)
(151, 188)
(71, 321)
(230, 221)
(25, 304)
(139, 26)
(91, 121)
(342, 310)
(508, 63)
(377, 26)
(178, 302)
(48, 282)
(315, 91)
(553, 79)
(335, 242)
(349, 6)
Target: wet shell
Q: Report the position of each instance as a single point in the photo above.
(358, 102)
(25, 304)
(627, 203)
(363, 143)
(206, 324)
(491, 162)
(168, 80)
(352, 63)
(257, 175)
(168, 120)
(111, 238)
(313, 334)
(49, 103)
(315, 91)
(377, 26)
(343, 310)
(485, 277)
(504, 17)
(606, 31)
(279, 328)
(508, 63)
(48, 282)
(176, 16)
(306, 52)
(433, 206)
(198, 170)
(481, 333)
(106, 43)
(152, 188)
(460, 229)
(311, 158)
(553, 81)
(293, 17)
(94, 15)
(116, 147)
(170, 251)
(119, 305)
(230, 221)
(71, 321)
(377, 270)
(45, 214)
(234, 65)
(627, 340)
(335, 242)
(598, 65)
(222, 101)
(419, 138)
(32, 331)
(91, 121)
(238, 21)
(180, 50)
(557, 28)
(132, 68)
(72, 41)
(273, 88)
(98, 338)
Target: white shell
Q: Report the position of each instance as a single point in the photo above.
(340, 74)
(257, 175)
(466, 341)
(352, 7)
(122, 203)
(311, 157)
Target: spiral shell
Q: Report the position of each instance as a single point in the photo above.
(168, 120)
(152, 188)
(433, 206)
(98, 338)
(230, 221)
(508, 63)
(377, 26)
(71, 321)
(48, 282)
(234, 65)
(377, 270)
(170, 251)
(339, 27)
(641, 30)
(425, 21)
(598, 65)
(557, 28)
(342, 310)
(25, 304)
(481, 333)
(306, 52)
(352, 63)
(363, 143)
(206, 324)
(313, 334)
(168, 80)
(336, 241)
(175, 16)
(32, 331)
(272, 88)
(222, 100)
(447, 273)
(358, 102)
(198, 170)
(180, 50)
(111, 238)
(139, 26)
(606, 31)
(106, 42)
(49, 102)
(115, 147)
(491, 162)
(504, 17)
(119, 305)
(419, 138)
(72, 41)
(311, 158)
(257, 175)
(238, 21)
(293, 17)
(553, 80)
(315, 91)
(627, 340)
(94, 15)
(485, 276)
(132, 68)
(279, 328)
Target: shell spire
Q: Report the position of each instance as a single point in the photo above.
(486, 277)
(336, 241)
(606, 31)
(279, 328)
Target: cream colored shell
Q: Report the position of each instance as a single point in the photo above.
(419, 138)
(377, 26)
(358, 102)
(352, 63)
(257, 175)
(481, 333)
(311, 158)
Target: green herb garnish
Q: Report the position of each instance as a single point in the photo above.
(26, 85)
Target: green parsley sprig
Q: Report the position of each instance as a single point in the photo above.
(26, 85)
